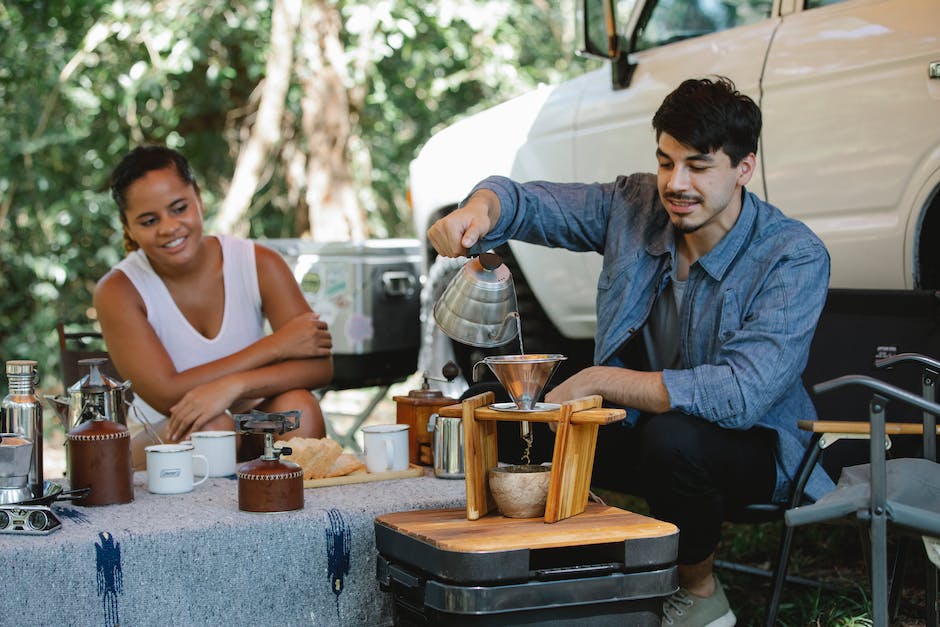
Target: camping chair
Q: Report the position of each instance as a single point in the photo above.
(825, 433)
(75, 346)
(904, 492)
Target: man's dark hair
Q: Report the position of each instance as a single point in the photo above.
(708, 114)
(139, 162)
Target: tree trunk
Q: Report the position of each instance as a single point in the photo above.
(265, 133)
(331, 200)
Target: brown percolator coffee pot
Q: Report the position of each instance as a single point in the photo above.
(269, 484)
(99, 458)
(415, 410)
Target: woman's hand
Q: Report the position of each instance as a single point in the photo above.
(303, 337)
(200, 405)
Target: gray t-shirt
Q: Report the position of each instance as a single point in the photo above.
(661, 332)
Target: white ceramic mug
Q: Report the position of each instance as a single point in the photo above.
(170, 468)
(386, 447)
(218, 447)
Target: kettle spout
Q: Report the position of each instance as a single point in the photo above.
(61, 406)
(500, 335)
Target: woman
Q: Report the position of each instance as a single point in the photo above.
(183, 314)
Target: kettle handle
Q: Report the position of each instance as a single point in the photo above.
(475, 366)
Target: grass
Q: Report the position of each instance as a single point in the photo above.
(829, 553)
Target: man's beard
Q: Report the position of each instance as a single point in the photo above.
(685, 229)
(682, 227)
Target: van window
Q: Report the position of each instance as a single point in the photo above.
(815, 4)
(674, 20)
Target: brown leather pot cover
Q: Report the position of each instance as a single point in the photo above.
(270, 486)
(100, 459)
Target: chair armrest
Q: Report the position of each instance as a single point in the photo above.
(886, 390)
(843, 426)
(908, 357)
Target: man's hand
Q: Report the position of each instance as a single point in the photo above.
(621, 386)
(575, 386)
(459, 230)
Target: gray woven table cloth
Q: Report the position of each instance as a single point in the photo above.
(196, 559)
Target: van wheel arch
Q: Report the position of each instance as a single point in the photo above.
(927, 252)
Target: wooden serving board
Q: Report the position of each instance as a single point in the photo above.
(449, 529)
(361, 476)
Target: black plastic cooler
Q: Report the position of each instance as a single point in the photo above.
(603, 567)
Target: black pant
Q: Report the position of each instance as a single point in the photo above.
(689, 470)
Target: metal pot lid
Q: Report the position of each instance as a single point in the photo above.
(488, 268)
(53, 492)
(96, 382)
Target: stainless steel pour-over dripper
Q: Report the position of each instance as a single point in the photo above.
(523, 376)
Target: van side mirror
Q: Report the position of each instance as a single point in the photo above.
(599, 29)
(601, 39)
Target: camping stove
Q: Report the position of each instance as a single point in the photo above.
(268, 484)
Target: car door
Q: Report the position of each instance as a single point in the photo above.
(852, 129)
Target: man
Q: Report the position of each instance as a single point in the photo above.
(723, 292)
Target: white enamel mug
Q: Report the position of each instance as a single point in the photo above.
(170, 468)
(218, 447)
(386, 447)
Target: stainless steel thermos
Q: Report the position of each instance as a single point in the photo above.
(21, 414)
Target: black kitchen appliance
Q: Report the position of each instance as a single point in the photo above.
(603, 567)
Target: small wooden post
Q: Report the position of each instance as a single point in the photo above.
(480, 454)
(572, 461)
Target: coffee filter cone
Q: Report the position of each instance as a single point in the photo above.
(524, 377)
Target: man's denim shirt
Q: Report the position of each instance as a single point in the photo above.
(747, 318)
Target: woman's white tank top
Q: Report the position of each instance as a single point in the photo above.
(242, 318)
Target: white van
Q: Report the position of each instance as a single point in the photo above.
(850, 94)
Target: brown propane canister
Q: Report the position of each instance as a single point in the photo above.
(414, 410)
(100, 458)
(270, 485)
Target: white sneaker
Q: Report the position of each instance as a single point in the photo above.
(685, 609)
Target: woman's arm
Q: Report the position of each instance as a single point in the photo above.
(139, 355)
(283, 305)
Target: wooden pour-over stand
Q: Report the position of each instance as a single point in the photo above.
(572, 459)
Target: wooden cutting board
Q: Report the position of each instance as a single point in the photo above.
(361, 476)
(449, 529)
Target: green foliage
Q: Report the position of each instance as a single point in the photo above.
(83, 81)
(435, 62)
